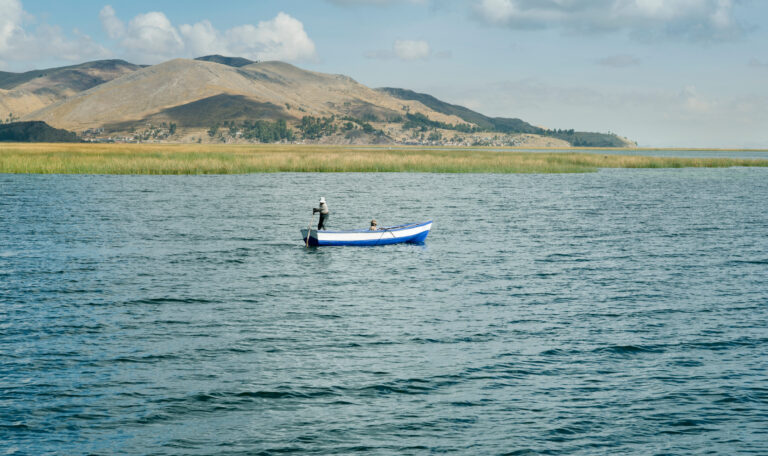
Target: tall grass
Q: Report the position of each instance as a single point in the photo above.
(227, 159)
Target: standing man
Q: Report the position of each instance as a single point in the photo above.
(323, 210)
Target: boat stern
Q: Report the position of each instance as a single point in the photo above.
(312, 237)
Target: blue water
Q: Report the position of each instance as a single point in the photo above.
(761, 154)
(618, 312)
(680, 153)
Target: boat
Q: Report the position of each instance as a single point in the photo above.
(414, 233)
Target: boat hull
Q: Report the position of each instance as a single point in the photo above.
(415, 233)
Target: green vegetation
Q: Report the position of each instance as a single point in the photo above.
(34, 131)
(226, 159)
(317, 127)
(265, 131)
(365, 126)
(422, 123)
(585, 139)
(11, 118)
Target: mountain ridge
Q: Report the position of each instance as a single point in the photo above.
(24, 93)
(460, 111)
(236, 62)
(9, 80)
(118, 99)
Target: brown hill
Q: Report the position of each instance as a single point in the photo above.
(191, 93)
(223, 106)
(23, 93)
(188, 100)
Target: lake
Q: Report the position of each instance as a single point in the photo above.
(618, 312)
(760, 154)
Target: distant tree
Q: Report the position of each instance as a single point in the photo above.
(317, 127)
(423, 123)
(435, 136)
(265, 131)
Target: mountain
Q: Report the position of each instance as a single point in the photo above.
(231, 99)
(236, 62)
(23, 93)
(183, 91)
(507, 125)
(203, 113)
(496, 124)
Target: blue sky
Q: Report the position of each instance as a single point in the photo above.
(662, 72)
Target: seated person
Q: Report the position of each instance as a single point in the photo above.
(374, 225)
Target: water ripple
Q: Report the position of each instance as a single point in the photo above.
(621, 312)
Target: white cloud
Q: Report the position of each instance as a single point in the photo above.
(50, 42)
(152, 37)
(112, 25)
(282, 38)
(44, 42)
(700, 20)
(411, 50)
(202, 39)
(10, 22)
(407, 50)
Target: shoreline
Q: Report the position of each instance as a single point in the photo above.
(553, 149)
(179, 159)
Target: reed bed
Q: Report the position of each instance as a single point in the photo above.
(239, 159)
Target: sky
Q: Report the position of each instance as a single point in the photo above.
(664, 73)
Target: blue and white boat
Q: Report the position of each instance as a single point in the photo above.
(415, 233)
